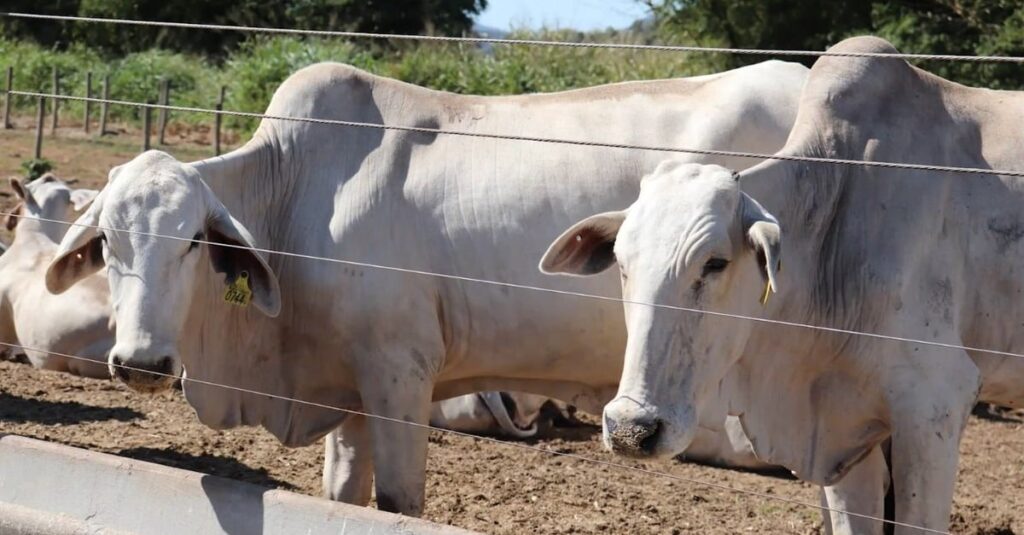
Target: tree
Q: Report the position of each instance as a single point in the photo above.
(969, 27)
(450, 17)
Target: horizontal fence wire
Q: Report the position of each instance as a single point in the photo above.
(481, 40)
(527, 42)
(462, 278)
(533, 139)
(492, 440)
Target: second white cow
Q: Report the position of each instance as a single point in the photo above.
(49, 326)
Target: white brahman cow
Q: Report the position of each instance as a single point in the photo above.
(377, 340)
(918, 254)
(75, 323)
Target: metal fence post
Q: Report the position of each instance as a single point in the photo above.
(147, 117)
(56, 102)
(105, 107)
(217, 121)
(88, 104)
(40, 111)
(165, 98)
(7, 98)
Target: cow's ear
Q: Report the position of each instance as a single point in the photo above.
(587, 248)
(81, 198)
(23, 193)
(240, 257)
(80, 253)
(764, 236)
(11, 220)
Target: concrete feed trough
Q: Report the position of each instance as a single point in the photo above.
(58, 490)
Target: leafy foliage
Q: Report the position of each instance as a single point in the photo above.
(969, 27)
(36, 168)
(405, 16)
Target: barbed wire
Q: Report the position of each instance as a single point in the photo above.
(535, 139)
(529, 42)
(520, 445)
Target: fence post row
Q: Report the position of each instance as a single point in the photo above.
(217, 121)
(147, 117)
(40, 111)
(88, 104)
(165, 97)
(56, 102)
(7, 98)
(105, 107)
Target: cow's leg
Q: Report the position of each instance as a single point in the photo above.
(399, 392)
(861, 491)
(348, 462)
(927, 422)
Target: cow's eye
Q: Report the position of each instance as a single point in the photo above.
(195, 241)
(714, 265)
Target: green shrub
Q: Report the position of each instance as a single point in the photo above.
(254, 71)
(36, 168)
(262, 63)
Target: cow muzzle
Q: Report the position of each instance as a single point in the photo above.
(145, 374)
(633, 429)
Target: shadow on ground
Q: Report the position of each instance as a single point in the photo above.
(16, 409)
(208, 464)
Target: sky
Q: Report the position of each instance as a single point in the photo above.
(576, 14)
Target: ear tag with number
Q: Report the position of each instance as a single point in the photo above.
(238, 292)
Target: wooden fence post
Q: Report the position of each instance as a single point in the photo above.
(217, 121)
(105, 107)
(40, 111)
(7, 98)
(165, 98)
(147, 117)
(88, 104)
(56, 102)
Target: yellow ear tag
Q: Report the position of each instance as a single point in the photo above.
(238, 292)
(767, 290)
(768, 286)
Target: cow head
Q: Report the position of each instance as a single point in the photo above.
(48, 199)
(691, 240)
(152, 276)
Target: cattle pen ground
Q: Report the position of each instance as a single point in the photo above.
(472, 484)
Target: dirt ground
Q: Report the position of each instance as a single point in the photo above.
(482, 486)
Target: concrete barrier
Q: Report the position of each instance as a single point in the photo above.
(49, 489)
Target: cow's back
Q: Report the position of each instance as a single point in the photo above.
(468, 206)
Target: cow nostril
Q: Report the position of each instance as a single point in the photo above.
(648, 443)
(635, 438)
(165, 366)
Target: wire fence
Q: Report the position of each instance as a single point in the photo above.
(437, 131)
(529, 42)
(534, 139)
(492, 440)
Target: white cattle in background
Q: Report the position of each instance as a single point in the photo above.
(376, 340)
(510, 414)
(75, 323)
(919, 254)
